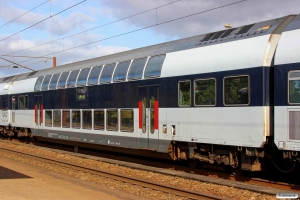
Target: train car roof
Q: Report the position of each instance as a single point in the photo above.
(239, 33)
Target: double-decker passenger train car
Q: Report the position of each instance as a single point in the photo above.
(230, 97)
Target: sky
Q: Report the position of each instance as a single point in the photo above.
(75, 30)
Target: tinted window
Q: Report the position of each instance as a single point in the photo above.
(154, 66)
(38, 83)
(112, 120)
(236, 90)
(184, 93)
(72, 78)
(127, 120)
(76, 119)
(94, 75)
(99, 119)
(26, 101)
(46, 82)
(53, 81)
(294, 87)
(205, 92)
(21, 102)
(48, 118)
(136, 69)
(107, 73)
(87, 119)
(81, 81)
(57, 118)
(121, 71)
(62, 80)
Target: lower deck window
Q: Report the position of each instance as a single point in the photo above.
(184, 93)
(236, 90)
(48, 118)
(99, 119)
(76, 119)
(56, 118)
(112, 120)
(205, 92)
(66, 118)
(87, 119)
(127, 120)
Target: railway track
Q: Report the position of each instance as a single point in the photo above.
(235, 180)
(186, 194)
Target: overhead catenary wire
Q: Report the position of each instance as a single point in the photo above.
(42, 21)
(23, 14)
(147, 27)
(96, 27)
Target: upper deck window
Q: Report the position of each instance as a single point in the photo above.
(121, 71)
(154, 65)
(72, 78)
(236, 90)
(107, 73)
(94, 75)
(62, 80)
(82, 77)
(294, 87)
(136, 69)
(53, 81)
(38, 83)
(46, 81)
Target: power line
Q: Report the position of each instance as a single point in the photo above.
(42, 20)
(95, 27)
(147, 27)
(24, 14)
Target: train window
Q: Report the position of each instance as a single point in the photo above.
(76, 118)
(121, 71)
(53, 82)
(94, 75)
(66, 118)
(48, 118)
(62, 80)
(112, 120)
(56, 118)
(184, 93)
(294, 87)
(99, 119)
(127, 120)
(205, 92)
(45, 83)
(82, 93)
(236, 90)
(37, 86)
(152, 100)
(107, 72)
(83, 76)
(154, 65)
(72, 78)
(13, 103)
(87, 119)
(21, 102)
(136, 69)
(26, 101)
(0, 103)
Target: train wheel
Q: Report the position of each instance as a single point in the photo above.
(192, 163)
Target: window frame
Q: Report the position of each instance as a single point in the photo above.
(128, 131)
(42, 89)
(117, 121)
(249, 97)
(111, 76)
(58, 81)
(86, 78)
(104, 119)
(116, 68)
(98, 80)
(139, 78)
(82, 121)
(288, 86)
(59, 74)
(179, 90)
(42, 80)
(80, 118)
(26, 104)
(70, 118)
(75, 81)
(60, 119)
(19, 97)
(51, 118)
(147, 65)
(195, 92)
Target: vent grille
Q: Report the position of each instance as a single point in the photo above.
(245, 29)
(227, 32)
(207, 37)
(217, 35)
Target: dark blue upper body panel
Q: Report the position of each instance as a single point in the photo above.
(124, 94)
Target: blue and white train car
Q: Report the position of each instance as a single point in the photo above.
(205, 98)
